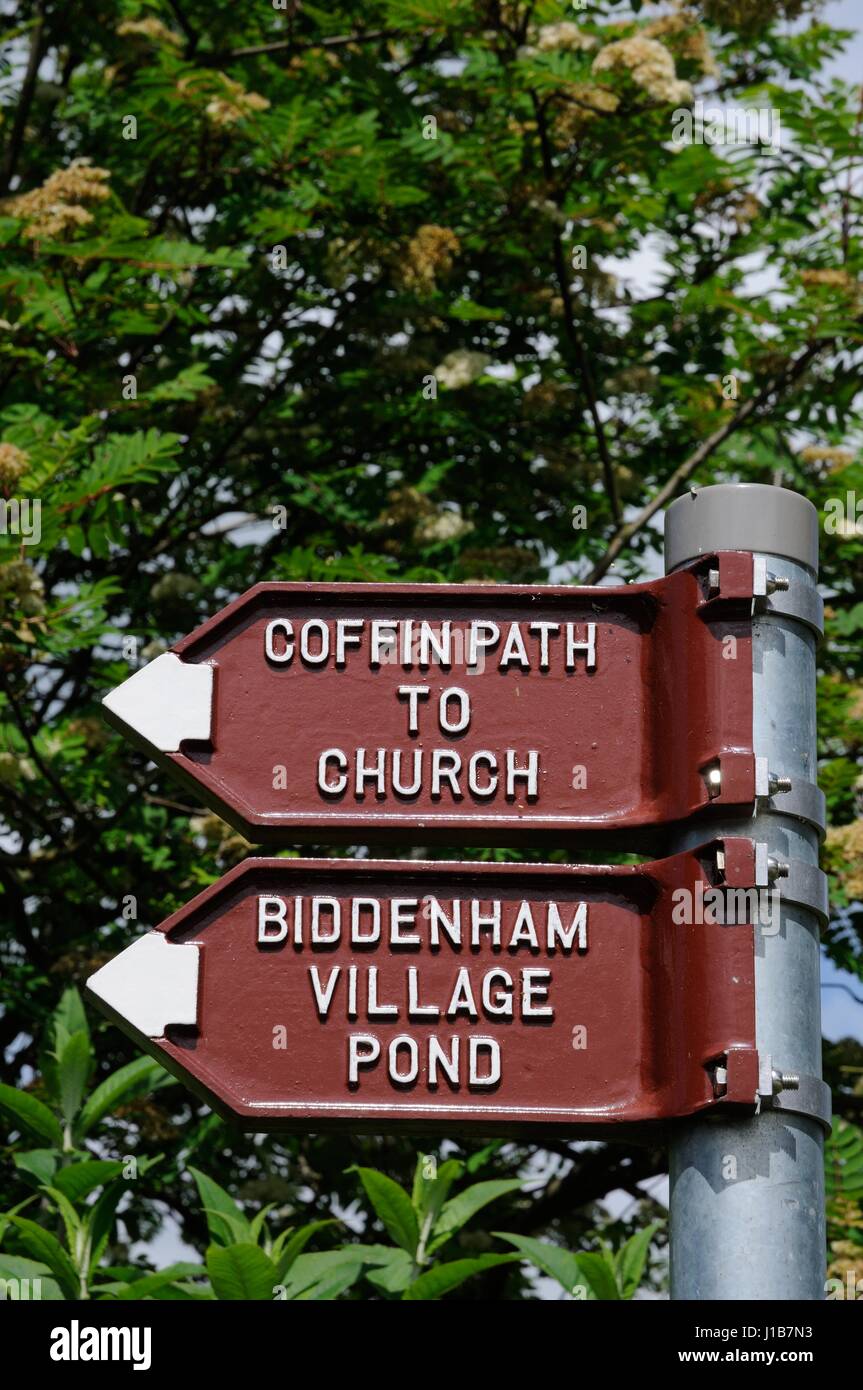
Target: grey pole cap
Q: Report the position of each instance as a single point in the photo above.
(741, 516)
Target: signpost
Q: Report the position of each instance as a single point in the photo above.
(312, 994)
(747, 1197)
(463, 715)
(520, 999)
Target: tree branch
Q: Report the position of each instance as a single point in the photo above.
(708, 446)
(858, 999)
(299, 45)
(573, 336)
(593, 1177)
(849, 186)
(192, 36)
(22, 110)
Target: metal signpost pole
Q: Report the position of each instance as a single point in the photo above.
(747, 1194)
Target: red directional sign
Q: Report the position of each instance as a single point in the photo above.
(453, 714)
(479, 998)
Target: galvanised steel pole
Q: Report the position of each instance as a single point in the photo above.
(747, 1194)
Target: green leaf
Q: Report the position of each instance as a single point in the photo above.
(445, 1277)
(843, 1160)
(100, 1220)
(369, 1254)
(392, 1205)
(17, 1267)
(40, 1163)
(238, 1230)
(573, 1272)
(482, 1156)
(467, 311)
(138, 1078)
(150, 1284)
(69, 1016)
(184, 387)
(631, 1259)
(225, 1220)
(338, 1277)
(45, 1247)
(79, 1179)
(241, 1272)
(154, 254)
(257, 1224)
(395, 1276)
(73, 1223)
(6, 1216)
(285, 1255)
(560, 1264)
(184, 1291)
(459, 1209)
(429, 1194)
(599, 1274)
(30, 1114)
(74, 1063)
(328, 1270)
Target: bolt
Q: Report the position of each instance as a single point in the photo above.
(775, 784)
(776, 869)
(777, 581)
(785, 1081)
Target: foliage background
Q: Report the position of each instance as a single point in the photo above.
(283, 262)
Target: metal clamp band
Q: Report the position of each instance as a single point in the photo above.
(797, 1094)
(797, 882)
(804, 801)
(798, 602)
(790, 796)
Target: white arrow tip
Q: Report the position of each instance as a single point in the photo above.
(167, 701)
(152, 984)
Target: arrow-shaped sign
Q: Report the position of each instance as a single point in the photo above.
(485, 998)
(489, 714)
(167, 703)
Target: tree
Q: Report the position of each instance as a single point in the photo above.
(292, 293)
